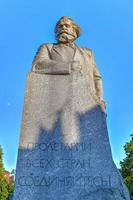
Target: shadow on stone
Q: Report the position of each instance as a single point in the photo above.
(51, 169)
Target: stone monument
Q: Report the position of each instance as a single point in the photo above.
(64, 151)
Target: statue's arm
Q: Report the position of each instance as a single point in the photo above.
(39, 61)
(43, 64)
(98, 84)
(97, 80)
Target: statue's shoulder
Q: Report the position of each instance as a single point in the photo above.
(44, 48)
(46, 45)
(88, 51)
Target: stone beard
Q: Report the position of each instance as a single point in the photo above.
(64, 150)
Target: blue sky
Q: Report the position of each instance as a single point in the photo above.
(107, 28)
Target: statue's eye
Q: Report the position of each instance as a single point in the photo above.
(67, 25)
(60, 26)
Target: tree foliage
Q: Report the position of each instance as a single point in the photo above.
(5, 187)
(127, 166)
(3, 182)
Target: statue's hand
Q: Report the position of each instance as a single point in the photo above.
(75, 65)
(40, 67)
(52, 67)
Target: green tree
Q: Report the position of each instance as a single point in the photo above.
(3, 183)
(127, 166)
(11, 190)
(11, 185)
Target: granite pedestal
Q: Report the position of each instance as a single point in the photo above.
(64, 151)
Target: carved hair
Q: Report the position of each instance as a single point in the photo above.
(76, 27)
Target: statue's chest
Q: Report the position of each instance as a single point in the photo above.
(62, 53)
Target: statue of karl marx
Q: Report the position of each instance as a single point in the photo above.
(59, 58)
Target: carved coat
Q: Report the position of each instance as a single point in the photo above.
(86, 61)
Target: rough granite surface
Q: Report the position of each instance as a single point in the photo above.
(64, 151)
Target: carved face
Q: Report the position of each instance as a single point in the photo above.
(65, 31)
